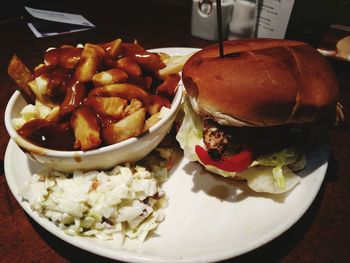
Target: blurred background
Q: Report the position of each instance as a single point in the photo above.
(308, 21)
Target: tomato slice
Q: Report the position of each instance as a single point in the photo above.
(234, 163)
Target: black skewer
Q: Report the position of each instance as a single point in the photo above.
(219, 18)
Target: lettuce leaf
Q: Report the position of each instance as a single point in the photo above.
(218, 171)
(278, 160)
(261, 179)
(190, 132)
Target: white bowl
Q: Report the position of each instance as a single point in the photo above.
(106, 157)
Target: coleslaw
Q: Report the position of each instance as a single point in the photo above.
(125, 202)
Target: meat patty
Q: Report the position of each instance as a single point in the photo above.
(215, 140)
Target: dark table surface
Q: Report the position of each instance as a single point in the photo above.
(321, 235)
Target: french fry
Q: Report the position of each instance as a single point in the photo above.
(52, 57)
(151, 121)
(39, 87)
(134, 105)
(164, 57)
(173, 65)
(86, 129)
(157, 103)
(56, 89)
(74, 97)
(126, 128)
(148, 82)
(65, 56)
(130, 66)
(39, 94)
(169, 85)
(150, 61)
(70, 57)
(108, 62)
(99, 50)
(91, 57)
(108, 106)
(49, 83)
(40, 69)
(21, 75)
(112, 48)
(32, 126)
(123, 90)
(111, 76)
(147, 60)
(54, 115)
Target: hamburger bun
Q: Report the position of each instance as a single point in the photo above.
(261, 82)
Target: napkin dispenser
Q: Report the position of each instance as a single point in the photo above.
(204, 19)
(244, 19)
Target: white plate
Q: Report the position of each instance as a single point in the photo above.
(208, 218)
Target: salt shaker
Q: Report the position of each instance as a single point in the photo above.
(204, 18)
(244, 19)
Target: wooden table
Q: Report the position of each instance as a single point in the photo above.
(321, 235)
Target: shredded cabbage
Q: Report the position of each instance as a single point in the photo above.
(125, 202)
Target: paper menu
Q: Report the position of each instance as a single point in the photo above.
(48, 23)
(273, 18)
(61, 17)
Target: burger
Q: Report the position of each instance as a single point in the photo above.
(248, 115)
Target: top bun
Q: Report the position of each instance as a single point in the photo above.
(261, 82)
